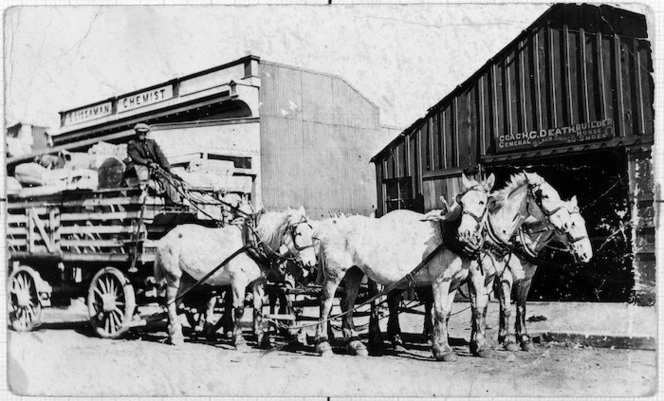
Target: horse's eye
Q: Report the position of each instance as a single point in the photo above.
(481, 203)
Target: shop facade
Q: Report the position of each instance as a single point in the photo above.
(279, 128)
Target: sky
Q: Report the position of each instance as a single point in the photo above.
(404, 58)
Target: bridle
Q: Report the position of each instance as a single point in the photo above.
(469, 250)
(530, 250)
(262, 251)
(478, 188)
(293, 228)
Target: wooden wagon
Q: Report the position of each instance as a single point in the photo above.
(95, 244)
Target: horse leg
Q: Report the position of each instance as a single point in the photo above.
(239, 290)
(375, 338)
(209, 326)
(174, 327)
(504, 290)
(226, 320)
(393, 326)
(426, 298)
(522, 288)
(326, 298)
(352, 286)
(479, 301)
(441, 311)
(262, 340)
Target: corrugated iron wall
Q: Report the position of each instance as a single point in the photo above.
(317, 137)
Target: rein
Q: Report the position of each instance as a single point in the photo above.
(181, 187)
(410, 277)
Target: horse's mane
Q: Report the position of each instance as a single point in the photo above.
(516, 181)
(272, 225)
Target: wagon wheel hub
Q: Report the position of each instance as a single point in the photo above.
(108, 302)
(23, 298)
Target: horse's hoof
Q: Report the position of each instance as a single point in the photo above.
(265, 342)
(527, 346)
(446, 356)
(176, 341)
(397, 344)
(241, 346)
(357, 348)
(511, 347)
(324, 348)
(399, 348)
(484, 353)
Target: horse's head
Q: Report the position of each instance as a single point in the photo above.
(576, 235)
(298, 238)
(548, 202)
(471, 204)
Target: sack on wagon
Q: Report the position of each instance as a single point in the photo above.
(13, 186)
(33, 174)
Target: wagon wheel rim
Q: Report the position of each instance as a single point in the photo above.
(25, 307)
(110, 303)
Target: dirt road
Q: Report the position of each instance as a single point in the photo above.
(64, 358)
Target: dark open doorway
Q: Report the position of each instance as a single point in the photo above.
(600, 182)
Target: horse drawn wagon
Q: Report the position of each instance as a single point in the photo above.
(97, 244)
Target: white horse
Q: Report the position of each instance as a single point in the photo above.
(388, 249)
(525, 195)
(189, 252)
(533, 237)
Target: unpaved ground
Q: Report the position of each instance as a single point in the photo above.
(64, 358)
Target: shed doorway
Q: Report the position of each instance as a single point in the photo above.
(600, 182)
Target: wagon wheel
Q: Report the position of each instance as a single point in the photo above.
(25, 310)
(111, 302)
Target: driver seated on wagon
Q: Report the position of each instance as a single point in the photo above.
(146, 157)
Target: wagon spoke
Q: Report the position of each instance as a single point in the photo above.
(21, 282)
(117, 313)
(98, 292)
(107, 323)
(111, 287)
(19, 314)
(104, 284)
(111, 318)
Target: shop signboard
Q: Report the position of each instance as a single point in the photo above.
(87, 113)
(145, 98)
(571, 134)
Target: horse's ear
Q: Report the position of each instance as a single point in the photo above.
(488, 184)
(573, 203)
(453, 214)
(301, 210)
(466, 182)
(446, 206)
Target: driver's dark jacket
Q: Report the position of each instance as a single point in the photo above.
(145, 152)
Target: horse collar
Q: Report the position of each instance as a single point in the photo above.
(497, 245)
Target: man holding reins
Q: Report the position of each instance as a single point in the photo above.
(146, 156)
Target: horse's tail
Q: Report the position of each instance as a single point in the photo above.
(158, 272)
